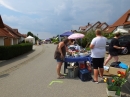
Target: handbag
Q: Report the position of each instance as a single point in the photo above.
(115, 64)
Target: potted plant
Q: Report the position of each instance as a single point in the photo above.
(115, 83)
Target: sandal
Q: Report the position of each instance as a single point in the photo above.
(61, 77)
(62, 74)
(95, 81)
(101, 77)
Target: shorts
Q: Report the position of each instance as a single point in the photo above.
(113, 53)
(59, 60)
(98, 62)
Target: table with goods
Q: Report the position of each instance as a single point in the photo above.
(78, 63)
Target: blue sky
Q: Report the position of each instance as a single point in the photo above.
(49, 18)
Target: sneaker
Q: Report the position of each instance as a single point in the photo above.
(102, 78)
(95, 81)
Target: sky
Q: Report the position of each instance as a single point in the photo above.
(48, 18)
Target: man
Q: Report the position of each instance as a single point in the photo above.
(113, 49)
(98, 50)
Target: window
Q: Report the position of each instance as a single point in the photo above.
(128, 18)
(103, 27)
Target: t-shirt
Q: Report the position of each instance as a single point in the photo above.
(114, 42)
(99, 49)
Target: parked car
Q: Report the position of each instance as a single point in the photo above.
(107, 44)
(124, 41)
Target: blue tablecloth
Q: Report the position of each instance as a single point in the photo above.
(75, 59)
(78, 59)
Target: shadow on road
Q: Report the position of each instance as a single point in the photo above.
(6, 62)
(4, 75)
(125, 90)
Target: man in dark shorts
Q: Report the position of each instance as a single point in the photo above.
(113, 49)
(98, 49)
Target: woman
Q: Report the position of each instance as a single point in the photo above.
(60, 53)
(98, 49)
(113, 49)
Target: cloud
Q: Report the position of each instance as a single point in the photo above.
(52, 17)
(5, 4)
(25, 24)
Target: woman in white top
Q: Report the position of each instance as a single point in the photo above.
(98, 50)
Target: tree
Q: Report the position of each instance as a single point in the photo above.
(36, 38)
(89, 35)
(87, 39)
(30, 33)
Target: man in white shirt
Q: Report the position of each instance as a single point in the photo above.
(98, 50)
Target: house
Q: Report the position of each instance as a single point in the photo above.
(84, 28)
(9, 36)
(90, 27)
(122, 23)
(5, 36)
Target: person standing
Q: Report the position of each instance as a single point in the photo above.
(59, 55)
(113, 49)
(98, 50)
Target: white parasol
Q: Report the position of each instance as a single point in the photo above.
(76, 36)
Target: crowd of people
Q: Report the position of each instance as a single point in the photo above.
(98, 51)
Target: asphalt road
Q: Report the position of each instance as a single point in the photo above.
(37, 78)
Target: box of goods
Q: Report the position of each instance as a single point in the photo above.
(106, 73)
(85, 75)
(73, 71)
(114, 70)
(122, 67)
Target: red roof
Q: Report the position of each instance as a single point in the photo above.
(120, 22)
(122, 19)
(16, 31)
(13, 32)
(24, 35)
(110, 29)
(4, 33)
(127, 23)
(83, 27)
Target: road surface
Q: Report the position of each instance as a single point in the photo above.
(37, 78)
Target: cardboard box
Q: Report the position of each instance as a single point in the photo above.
(106, 72)
(113, 70)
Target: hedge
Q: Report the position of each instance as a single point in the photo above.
(8, 52)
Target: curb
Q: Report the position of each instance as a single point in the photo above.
(20, 64)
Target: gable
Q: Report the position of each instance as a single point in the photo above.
(122, 20)
(1, 23)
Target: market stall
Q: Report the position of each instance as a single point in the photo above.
(30, 39)
(76, 59)
(66, 34)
